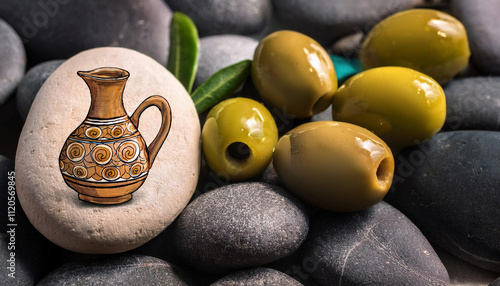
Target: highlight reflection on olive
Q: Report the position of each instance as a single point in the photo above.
(238, 138)
(425, 40)
(402, 106)
(293, 72)
(334, 165)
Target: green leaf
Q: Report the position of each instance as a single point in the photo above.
(183, 54)
(220, 85)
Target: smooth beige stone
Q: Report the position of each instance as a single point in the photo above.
(59, 107)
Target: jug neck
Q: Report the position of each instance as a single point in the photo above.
(106, 90)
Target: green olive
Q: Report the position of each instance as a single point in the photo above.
(425, 40)
(294, 73)
(400, 105)
(334, 165)
(238, 138)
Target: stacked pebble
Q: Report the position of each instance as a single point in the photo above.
(444, 194)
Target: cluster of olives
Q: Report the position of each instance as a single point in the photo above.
(346, 164)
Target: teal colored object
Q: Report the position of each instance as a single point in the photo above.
(345, 68)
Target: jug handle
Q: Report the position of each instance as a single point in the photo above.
(166, 120)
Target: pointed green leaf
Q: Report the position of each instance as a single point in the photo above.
(220, 85)
(183, 52)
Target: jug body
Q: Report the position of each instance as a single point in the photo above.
(106, 159)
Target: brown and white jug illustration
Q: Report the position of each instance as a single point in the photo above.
(106, 158)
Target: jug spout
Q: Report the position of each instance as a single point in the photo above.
(106, 90)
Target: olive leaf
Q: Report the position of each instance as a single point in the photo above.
(183, 53)
(220, 85)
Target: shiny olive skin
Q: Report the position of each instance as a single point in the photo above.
(293, 73)
(238, 138)
(400, 105)
(425, 40)
(334, 165)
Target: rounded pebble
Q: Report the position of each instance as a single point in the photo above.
(327, 20)
(60, 106)
(25, 254)
(217, 52)
(58, 29)
(378, 246)
(214, 17)
(238, 226)
(31, 83)
(257, 276)
(480, 18)
(473, 104)
(121, 270)
(12, 60)
(448, 186)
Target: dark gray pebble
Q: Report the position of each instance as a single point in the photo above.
(31, 83)
(449, 187)
(327, 20)
(257, 277)
(217, 52)
(118, 270)
(239, 226)
(12, 60)
(377, 246)
(480, 18)
(58, 29)
(495, 283)
(214, 17)
(473, 104)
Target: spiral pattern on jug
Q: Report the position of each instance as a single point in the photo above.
(128, 151)
(101, 154)
(75, 151)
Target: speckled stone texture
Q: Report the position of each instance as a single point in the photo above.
(214, 17)
(495, 283)
(12, 60)
(120, 270)
(240, 225)
(257, 277)
(31, 83)
(377, 246)
(473, 104)
(55, 29)
(448, 186)
(326, 20)
(60, 106)
(480, 18)
(33, 255)
(217, 52)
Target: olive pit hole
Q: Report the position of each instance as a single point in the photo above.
(238, 151)
(383, 172)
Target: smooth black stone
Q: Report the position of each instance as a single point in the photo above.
(220, 51)
(480, 18)
(31, 83)
(55, 29)
(495, 283)
(377, 246)
(25, 254)
(12, 60)
(325, 115)
(215, 17)
(239, 226)
(327, 20)
(118, 270)
(348, 46)
(473, 104)
(257, 276)
(449, 187)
